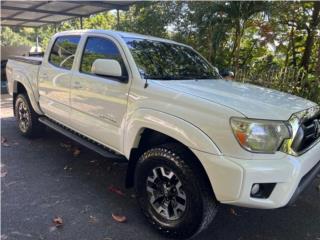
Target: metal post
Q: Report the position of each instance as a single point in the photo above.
(118, 20)
(81, 23)
(37, 40)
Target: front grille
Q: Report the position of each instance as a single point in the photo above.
(308, 133)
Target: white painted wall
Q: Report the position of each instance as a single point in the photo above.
(7, 51)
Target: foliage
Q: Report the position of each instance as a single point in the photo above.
(268, 43)
(12, 38)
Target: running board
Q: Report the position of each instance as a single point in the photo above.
(108, 153)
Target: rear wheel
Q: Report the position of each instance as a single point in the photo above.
(27, 118)
(174, 195)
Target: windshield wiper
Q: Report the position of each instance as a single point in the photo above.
(195, 77)
(158, 77)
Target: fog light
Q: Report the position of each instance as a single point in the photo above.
(255, 189)
(262, 190)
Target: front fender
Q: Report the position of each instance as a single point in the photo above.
(172, 126)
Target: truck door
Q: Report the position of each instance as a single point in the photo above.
(55, 78)
(99, 103)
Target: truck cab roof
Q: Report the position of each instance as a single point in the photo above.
(117, 34)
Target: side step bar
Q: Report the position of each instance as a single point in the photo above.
(82, 140)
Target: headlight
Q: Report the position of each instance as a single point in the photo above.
(260, 136)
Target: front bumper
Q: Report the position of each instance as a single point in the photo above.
(232, 178)
(305, 182)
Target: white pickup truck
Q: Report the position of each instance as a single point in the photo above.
(192, 139)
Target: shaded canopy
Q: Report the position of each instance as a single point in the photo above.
(39, 13)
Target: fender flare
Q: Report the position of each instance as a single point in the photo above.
(22, 79)
(172, 126)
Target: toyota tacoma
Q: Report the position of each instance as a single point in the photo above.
(192, 140)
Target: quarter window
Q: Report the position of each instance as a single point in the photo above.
(63, 51)
(100, 48)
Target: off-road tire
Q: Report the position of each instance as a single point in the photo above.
(201, 203)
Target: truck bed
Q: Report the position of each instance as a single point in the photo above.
(30, 60)
(24, 70)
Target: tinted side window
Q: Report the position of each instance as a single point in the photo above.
(63, 51)
(100, 48)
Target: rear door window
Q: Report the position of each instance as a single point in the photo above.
(63, 51)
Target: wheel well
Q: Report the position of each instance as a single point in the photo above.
(151, 138)
(20, 89)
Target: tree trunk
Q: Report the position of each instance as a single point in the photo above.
(310, 38)
(293, 46)
(235, 40)
(318, 64)
(315, 89)
(210, 33)
(236, 48)
(289, 47)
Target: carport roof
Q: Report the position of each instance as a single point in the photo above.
(39, 13)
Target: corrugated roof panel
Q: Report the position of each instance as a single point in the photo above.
(8, 13)
(58, 6)
(30, 15)
(86, 10)
(11, 22)
(37, 13)
(32, 24)
(23, 4)
(56, 18)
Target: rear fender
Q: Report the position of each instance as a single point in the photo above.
(19, 77)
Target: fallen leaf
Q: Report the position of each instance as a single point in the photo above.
(4, 142)
(93, 219)
(233, 212)
(119, 218)
(4, 237)
(116, 190)
(58, 222)
(3, 172)
(76, 152)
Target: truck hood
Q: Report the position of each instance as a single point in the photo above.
(250, 100)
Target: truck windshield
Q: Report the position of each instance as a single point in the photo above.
(169, 61)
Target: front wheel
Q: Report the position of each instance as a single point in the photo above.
(173, 194)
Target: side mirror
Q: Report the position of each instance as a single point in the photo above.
(106, 67)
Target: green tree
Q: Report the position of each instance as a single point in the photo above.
(12, 38)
